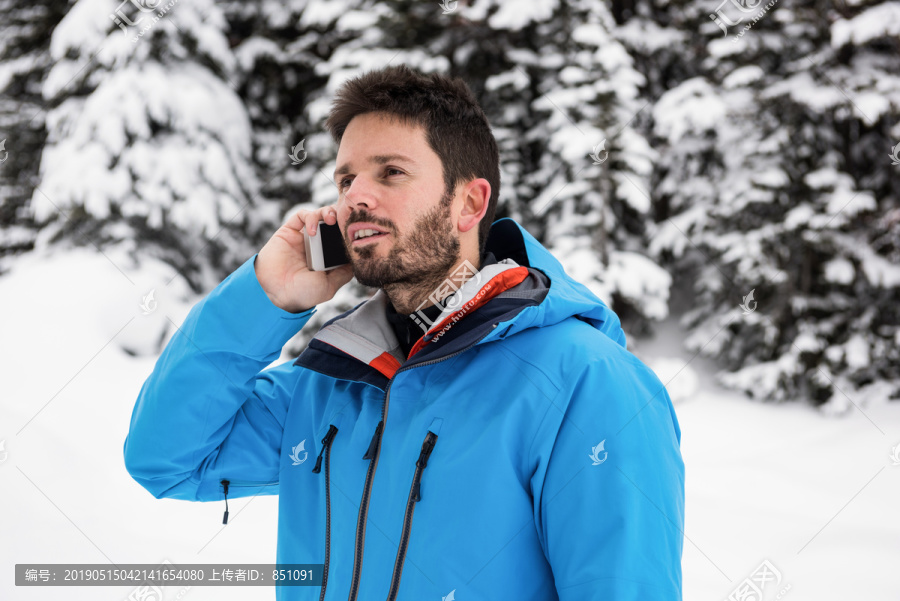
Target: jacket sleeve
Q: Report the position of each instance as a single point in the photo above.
(611, 517)
(207, 411)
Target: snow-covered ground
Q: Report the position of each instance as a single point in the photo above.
(813, 495)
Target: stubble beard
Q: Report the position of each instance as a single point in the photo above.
(417, 263)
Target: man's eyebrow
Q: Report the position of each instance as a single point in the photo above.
(379, 159)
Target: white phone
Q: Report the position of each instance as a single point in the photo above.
(325, 250)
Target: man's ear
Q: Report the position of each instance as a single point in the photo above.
(476, 196)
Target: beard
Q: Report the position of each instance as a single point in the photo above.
(419, 258)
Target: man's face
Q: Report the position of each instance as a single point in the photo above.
(394, 213)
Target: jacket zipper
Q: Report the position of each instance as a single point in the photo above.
(372, 453)
(326, 448)
(414, 497)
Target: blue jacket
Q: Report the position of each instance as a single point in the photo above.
(520, 452)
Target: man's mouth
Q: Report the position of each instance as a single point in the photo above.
(361, 234)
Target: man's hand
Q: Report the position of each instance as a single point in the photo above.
(281, 265)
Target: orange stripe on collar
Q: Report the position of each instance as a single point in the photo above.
(386, 363)
(499, 283)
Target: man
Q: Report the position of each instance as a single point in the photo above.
(516, 450)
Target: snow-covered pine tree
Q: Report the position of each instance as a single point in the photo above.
(278, 46)
(564, 102)
(149, 145)
(24, 62)
(769, 180)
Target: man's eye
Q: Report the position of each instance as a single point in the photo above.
(343, 183)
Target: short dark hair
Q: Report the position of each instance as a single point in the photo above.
(456, 127)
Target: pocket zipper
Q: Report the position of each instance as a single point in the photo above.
(414, 497)
(326, 446)
(226, 484)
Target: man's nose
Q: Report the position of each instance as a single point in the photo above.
(361, 193)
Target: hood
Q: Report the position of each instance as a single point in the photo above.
(565, 297)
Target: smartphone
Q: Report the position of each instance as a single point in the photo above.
(325, 250)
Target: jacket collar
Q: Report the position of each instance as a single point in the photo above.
(365, 334)
(361, 344)
(528, 288)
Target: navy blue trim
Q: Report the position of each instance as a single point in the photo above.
(333, 362)
(506, 242)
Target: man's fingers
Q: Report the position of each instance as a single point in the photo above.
(326, 214)
(295, 220)
(310, 219)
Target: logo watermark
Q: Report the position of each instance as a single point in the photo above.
(895, 154)
(148, 303)
(748, 305)
(151, 592)
(3, 150)
(445, 296)
(744, 8)
(450, 596)
(295, 453)
(3, 452)
(595, 155)
(595, 453)
(895, 453)
(752, 587)
(448, 7)
(143, 6)
(295, 158)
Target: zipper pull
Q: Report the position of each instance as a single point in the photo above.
(370, 452)
(225, 487)
(422, 461)
(325, 442)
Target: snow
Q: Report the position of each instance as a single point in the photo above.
(692, 106)
(681, 380)
(742, 76)
(722, 47)
(839, 271)
(844, 203)
(878, 21)
(254, 48)
(633, 190)
(514, 77)
(803, 89)
(799, 215)
(770, 178)
(10, 69)
(638, 278)
(812, 494)
(357, 20)
(857, 352)
(878, 270)
(827, 177)
(322, 12)
(808, 342)
(649, 36)
(202, 167)
(870, 106)
(516, 15)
